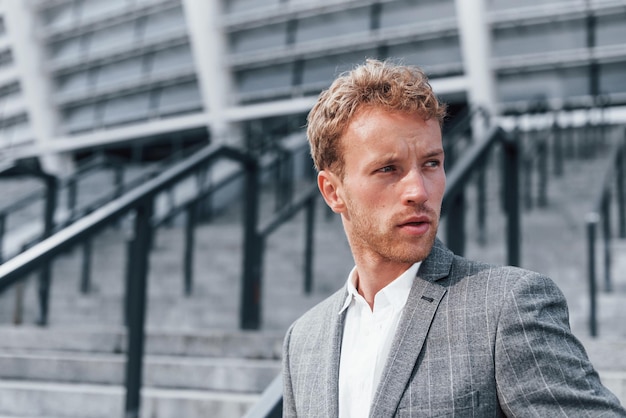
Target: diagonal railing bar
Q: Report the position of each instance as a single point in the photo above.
(69, 185)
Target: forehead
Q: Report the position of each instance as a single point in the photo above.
(374, 128)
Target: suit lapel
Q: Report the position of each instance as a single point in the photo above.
(412, 331)
(333, 355)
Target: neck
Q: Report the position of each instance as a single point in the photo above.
(372, 276)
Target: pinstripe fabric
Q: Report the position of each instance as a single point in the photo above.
(474, 341)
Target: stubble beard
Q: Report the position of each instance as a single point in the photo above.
(385, 241)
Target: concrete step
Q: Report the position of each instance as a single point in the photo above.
(159, 342)
(190, 374)
(173, 372)
(61, 400)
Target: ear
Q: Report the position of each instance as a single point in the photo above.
(330, 188)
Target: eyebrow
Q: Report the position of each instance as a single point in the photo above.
(391, 159)
(435, 153)
(438, 153)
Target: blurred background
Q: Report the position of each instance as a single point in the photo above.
(159, 222)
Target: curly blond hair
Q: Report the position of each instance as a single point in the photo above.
(374, 84)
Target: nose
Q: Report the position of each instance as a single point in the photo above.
(414, 188)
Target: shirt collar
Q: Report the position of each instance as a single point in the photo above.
(397, 292)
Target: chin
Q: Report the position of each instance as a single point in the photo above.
(418, 253)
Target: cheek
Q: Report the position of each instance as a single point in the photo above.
(438, 187)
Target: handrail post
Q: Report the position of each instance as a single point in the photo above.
(511, 169)
(85, 276)
(481, 197)
(557, 147)
(308, 245)
(606, 233)
(190, 227)
(528, 182)
(455, 224)
(250, 308)
(137, 290)
(621, 201)
(18, 309)
(592, 221)
(3, 222)
(279, 181)
(45, 273)
(72, 187)
(542, 149)
(118, 179)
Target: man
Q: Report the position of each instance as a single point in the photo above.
(418, 331)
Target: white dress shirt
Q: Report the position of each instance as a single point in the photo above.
(367, 337)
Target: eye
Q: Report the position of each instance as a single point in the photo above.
(386, 169)
(433, 163)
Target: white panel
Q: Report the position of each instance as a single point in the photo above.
(22, 132)
(266, 37)
(80, 118)
(237, 6)
(126, 109)
(126, 71)
(333, 24)
(179, 98)
(554, 36)
(94, 8)
(545, 84)
(111, 37)
(613, 78)
(6, 58)
(511, 4)
(327, 68)
(264, 78)
(59, 16)
(11, 103)
(611, 30)
(66, 49)
(15, 134)
(172, 59)
(432, 52)
(73, 82)
(161, 23)
(411, 12)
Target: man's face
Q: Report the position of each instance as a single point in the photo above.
(393, 185)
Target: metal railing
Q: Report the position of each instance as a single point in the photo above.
(551, 136)
(612, 185)
(575, 132)
(472, 162)
(138, 205)
(53, 220)
(75, 207)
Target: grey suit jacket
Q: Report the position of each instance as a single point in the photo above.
(474, 340)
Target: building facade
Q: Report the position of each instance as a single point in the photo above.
(86, 74)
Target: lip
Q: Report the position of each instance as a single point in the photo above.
(415, 225)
